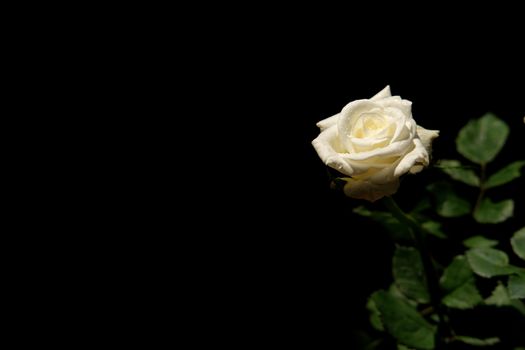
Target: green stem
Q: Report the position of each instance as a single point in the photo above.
(419, 234)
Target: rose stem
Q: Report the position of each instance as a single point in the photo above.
(430, 272)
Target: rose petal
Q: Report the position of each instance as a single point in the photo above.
(328, 122)
(349, 116)
(416, 157)
(368, 143)
(397, 102)
(330, 150)
(405, 126)
(392, 150)
(369, 190)
(382, 94)
(426, 137)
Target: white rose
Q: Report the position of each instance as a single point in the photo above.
(374, 142)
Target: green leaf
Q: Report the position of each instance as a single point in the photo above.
(409, 274)
(459, 172)
(499, 297)
(456, 274)
(477, 341)
(465, 297)
(422, 205)
(434, 228)
(375, 316)
(518, 243)
(396, 230)
(448, 203)
(403, 322)
(507, 174)
(458, 281)
(518, 305)
(517, 286)
(479, 242)
(489, 262)
(394, 290)
(482, 139)
(402, 347)
(489, 212)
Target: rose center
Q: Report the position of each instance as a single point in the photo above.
(369, 124)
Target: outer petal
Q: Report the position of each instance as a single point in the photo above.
(382, 94)
(328, 122)
(329, 149)
(394, 149)
(405, 125)
(396, 102)
(369, 190)
(416, 158)
(427, 136)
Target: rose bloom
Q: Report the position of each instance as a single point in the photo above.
(374, 141)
